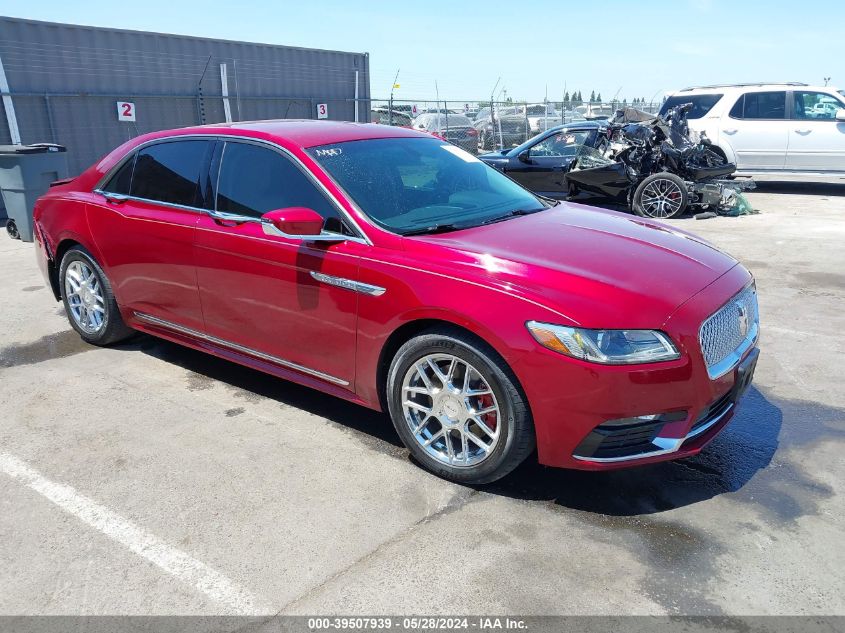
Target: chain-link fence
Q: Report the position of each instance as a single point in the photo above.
(479, 125)
(88, 124)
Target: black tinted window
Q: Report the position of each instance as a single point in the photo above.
(701, 104)
(122, 179)
(254, 180)
(169, 172)
(760, 105)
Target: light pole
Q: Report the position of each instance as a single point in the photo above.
(390, 105)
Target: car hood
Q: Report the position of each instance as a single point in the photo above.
(494, 157)
(598, 268)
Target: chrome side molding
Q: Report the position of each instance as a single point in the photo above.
(349, 284)
(175, 327)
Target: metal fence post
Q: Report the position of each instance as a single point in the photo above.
(492, 123)
(50, 121)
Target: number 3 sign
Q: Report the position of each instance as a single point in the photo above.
(125, 111)
(322, 111)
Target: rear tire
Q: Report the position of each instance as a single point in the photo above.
(12, 230)
(661, 196)
(88, 299)
(468, 421)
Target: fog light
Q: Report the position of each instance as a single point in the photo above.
(672, 416)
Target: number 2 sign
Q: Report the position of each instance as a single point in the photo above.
(322, 111)
(125, 111)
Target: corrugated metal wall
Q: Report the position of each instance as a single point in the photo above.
(65, 81)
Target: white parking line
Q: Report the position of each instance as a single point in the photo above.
(236, 599)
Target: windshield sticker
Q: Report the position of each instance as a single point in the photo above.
(331, 151)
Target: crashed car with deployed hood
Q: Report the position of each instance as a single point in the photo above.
(652, 164)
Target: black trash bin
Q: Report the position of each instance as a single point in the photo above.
(26, 172)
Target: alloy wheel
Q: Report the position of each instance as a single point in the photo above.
(661, 198)
(451, 410)
(85, 298)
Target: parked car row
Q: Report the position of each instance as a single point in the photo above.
(455, 128)
(480, 129)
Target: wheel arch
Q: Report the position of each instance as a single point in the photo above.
(411, 328)
(724, 148)
(62, 247)
(718, 149)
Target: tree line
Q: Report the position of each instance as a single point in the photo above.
(575, 99)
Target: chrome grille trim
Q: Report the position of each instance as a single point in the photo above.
(722, 338)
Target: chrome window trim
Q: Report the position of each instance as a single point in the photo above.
(160, 203)
(664, 445)
(361, 237)
(147, 318)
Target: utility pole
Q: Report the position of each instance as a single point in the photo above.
(826, 79)
(437, 109)
(390, 104)
(492, 117)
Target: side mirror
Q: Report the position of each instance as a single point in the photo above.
(840, 114)
(296, 223)
(524, 156)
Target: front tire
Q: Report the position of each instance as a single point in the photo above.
(458, 408)
(661, 196)
(88, 299)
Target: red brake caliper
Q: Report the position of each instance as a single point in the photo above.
(484, 402)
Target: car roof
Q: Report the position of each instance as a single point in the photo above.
(580, 125)
(750, 87)
(301, 132)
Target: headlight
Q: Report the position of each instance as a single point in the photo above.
(609, 347)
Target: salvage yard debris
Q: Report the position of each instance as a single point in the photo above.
(660, 165)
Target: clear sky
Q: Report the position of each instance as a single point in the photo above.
(637, 48)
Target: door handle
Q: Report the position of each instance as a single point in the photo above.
(803, 131)
(730, 130)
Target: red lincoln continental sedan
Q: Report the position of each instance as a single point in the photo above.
(395, 270)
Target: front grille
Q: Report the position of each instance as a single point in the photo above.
(612, 440)
(729, 328)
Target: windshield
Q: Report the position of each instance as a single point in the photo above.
(410, 185)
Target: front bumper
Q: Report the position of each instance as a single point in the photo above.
(572, 401)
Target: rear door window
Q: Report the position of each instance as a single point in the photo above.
(760, 105)
(701, 104)
(170, 172)
(814, 105)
